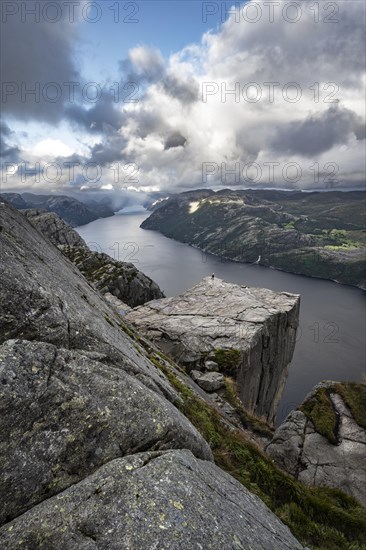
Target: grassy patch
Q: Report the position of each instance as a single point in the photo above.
(319, 409)
(289, 225)
(354, 396)
(248, 421)
(228, 360)
(319, 517)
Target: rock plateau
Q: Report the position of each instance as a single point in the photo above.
(250, 331)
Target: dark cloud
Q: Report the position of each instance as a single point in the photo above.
(104, 117)
(34, 54)
(148, 73)
(175, 140)
(109, 151)
(10, 153)
(318, 133)
(149, 122)
(145, 66)
(186, 91)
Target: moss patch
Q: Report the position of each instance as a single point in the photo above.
(248, 421)
(228, 360)
(354, 396)
(109, 320)
(319, 409)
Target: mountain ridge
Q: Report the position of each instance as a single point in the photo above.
(314, 234)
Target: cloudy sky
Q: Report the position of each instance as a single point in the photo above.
(174, 95)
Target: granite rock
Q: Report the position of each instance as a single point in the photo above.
(150, 501)
(208, 381)
(119, 279)
(93, 452)
(310, 457)
(259, 324)
(63, 414)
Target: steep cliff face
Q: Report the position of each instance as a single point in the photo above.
(119, 279)
(54, 228)
(249, 332)
(93, 451)
(324, 441)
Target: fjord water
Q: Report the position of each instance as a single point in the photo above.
(331, 338)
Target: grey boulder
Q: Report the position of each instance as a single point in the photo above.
(151, 501)
(63, 414)
(208, 381)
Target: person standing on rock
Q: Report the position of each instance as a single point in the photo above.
(213, 277)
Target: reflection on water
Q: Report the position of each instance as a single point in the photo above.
(330, 343)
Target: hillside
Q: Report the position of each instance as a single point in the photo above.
(314, 234)
(69, 209)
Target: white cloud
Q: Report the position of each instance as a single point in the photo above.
(52, 148)
(324, 61)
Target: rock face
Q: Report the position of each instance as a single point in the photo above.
(66, 413)
(119, 279)
(299, 449)
(215, 318)
(69, 209)
(151, 500)
(93, 452)
(54, 228)
(314, 234)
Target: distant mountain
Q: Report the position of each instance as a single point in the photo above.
(69, 209)
(314, 234)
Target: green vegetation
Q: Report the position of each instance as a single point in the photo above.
(96, 268)
(128, 331)
(354, 396)
(108, 319)
(228, 360)
(314, 262)
(319, 517)
(248, 421)
(289, 225)
(319, 409)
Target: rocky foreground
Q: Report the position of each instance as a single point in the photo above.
(247, 333)
(93, 452)
(106, 444)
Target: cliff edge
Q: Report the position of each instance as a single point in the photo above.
(249, 333)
